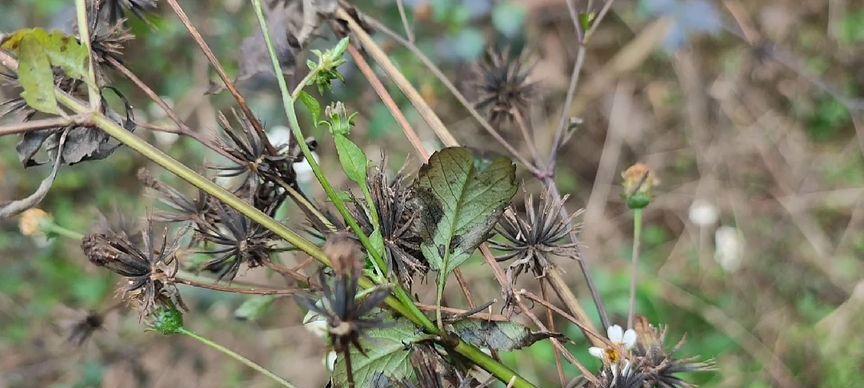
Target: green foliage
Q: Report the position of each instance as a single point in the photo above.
(326, 69)
(387, 354)
(462, 198)
(38, 51)
(255, 307)
(312, 105)
(497, 336)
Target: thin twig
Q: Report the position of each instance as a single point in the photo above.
(229, 84)
(248, 291)
(382, 92)
(182, 128)
(597, 338)
(477, 315)
(412, 94)
(408, 32)
(550, 321)
(35, 125)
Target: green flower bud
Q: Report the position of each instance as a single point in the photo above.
(167, 321)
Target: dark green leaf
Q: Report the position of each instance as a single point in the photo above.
(499, 336)
(387, 358)
(461, 198)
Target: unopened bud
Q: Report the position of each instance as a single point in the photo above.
(31, 220)
(639, 182)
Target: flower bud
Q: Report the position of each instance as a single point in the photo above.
(30, 222)
(639, 182)
(167, 321)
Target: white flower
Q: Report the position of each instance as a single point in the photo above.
(304, 170)
(728, 248)
(330, 361)
(280, 136)
(315, 323)
(703, 213)
(621, 340)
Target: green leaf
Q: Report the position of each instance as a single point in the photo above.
(254, 308)
(461, 199)
(498, 336)
(387, 359)
(66, 53)
(313, 105)
(36, 76)
(377, 241)
(39, 50)
(352, 158)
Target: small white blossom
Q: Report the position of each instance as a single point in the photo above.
(621, 340)
(703, 213)
(728, 248)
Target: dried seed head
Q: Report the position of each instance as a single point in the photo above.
(149, 269)
(345, 254)
(504, 87)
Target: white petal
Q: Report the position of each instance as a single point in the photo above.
(615, 334)
(629, 338)
(597, 352)
(330, 361)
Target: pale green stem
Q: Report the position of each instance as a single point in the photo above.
(84, 32)
(236, 356)
(637, 235)
(48, 226)
(288, 105)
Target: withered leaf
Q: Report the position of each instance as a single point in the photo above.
(499, 336)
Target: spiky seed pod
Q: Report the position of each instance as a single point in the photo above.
(531, 241)
(148, 269)
(346, 315)
(504, 87)
(397, 212)
(199, 210)
(237, 240)
(109, 41)
(115, 10)
(261, 171)
(659, 365)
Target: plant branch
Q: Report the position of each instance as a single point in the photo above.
(36, 125)
(235, 355)
(84, 32)
(248, 291)
(403, 84)
(229, 84)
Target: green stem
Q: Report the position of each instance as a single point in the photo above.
(84, 33)
(50, 227)
(288, 105)
(637, 236)
(235, 356)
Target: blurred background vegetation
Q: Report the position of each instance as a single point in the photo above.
(750, 112)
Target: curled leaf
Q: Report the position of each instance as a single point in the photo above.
(498, 336)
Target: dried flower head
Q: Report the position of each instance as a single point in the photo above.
(115, 10)
(503, 86)
(344, 312)
(181, 208)
(109, 41)
(263, 172)
(397, 213)
(149, 269)
(531, 241)
(659, 365)
(31, 220)
(639, 182)
(237, 240)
